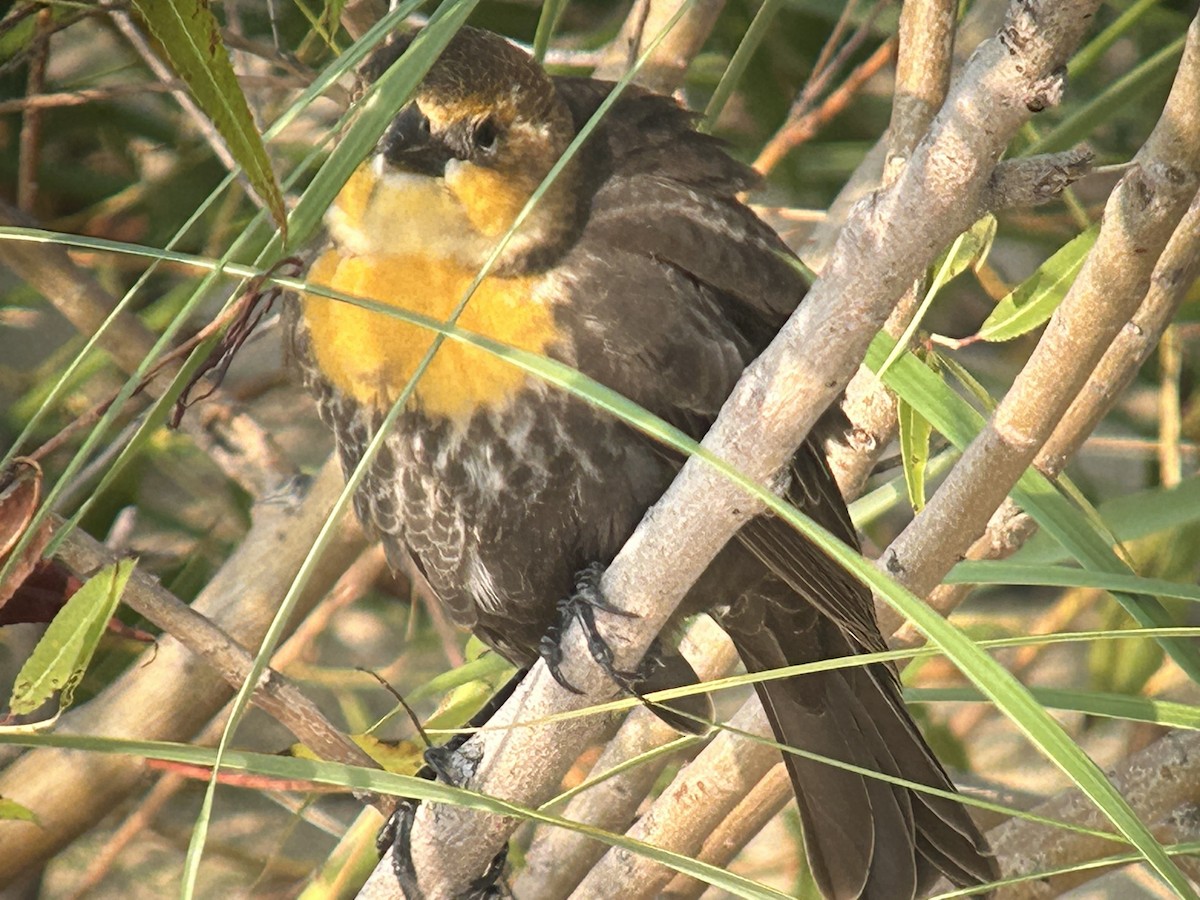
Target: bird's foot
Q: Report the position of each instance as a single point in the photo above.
(581, 605)
(445, 764)
(396, 835)
(448, 764)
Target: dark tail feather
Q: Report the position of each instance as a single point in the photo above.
(664, 668)
(864, 838)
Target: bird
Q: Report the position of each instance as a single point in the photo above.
(640, 267)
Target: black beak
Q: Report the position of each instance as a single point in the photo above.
(409, 146)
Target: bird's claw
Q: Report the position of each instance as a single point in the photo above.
(581, 606)
(396, 835)
(446, 763)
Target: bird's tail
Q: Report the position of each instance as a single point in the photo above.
(864, 837)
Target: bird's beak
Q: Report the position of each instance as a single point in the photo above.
(409, 146)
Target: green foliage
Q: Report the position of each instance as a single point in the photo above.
(191, 39)
(915, 433)
(10, 809)
(62, 655)
(1031, 304)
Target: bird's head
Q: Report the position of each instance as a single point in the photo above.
(462, 158)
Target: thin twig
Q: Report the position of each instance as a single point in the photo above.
(208, 131)
(663, 72)
(82, 96)
(243, 450)
(804, 126)
(30, 140)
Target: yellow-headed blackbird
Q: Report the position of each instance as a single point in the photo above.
(640, 268)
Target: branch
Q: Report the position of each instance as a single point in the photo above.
(937, 196)
(1140, 217)
(1176, 271)
(752, 813)
(275, 694)
(663, 72)
(925, 55)
(1009, 528)
(688, 811)
(171, 695)
(868, 403)
(558, 858)
(30, 139)
(1157, 781)
(982, 21)
(1034, 180)
(922, 74)
(802, 121)
(804, 127)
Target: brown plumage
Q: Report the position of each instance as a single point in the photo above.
(643, 270)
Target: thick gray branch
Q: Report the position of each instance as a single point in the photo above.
(1140, 217)
(1157, 781)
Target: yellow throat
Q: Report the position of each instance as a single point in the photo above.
(410, 242)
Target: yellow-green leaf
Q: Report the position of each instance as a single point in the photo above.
(969, 249)
(1033, 302)
(915, 432)
(62, 655)
(190, 38)
(964, 377)
(12, 810)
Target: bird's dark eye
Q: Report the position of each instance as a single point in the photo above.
(485, 135)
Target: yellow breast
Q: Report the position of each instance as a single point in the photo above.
(409, 246)
(371, 356)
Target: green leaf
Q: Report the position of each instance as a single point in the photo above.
(1093, 703)
(1010, 573)
(1032, 302)
(1063, 522)
(191, 40)
(969, 249)
(964, 377)
(11, 810)
(868, 508)
(62, 655)
(915, 432)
